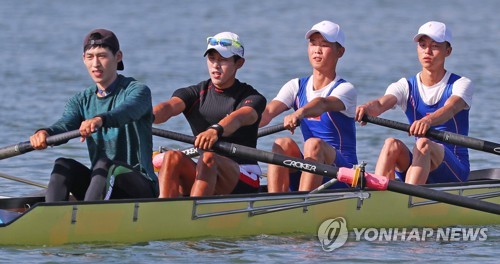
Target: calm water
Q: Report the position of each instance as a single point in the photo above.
(163, 43)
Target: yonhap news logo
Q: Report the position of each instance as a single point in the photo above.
(446, 234)
(333, 233)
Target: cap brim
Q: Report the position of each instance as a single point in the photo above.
(418, 36)
(312, 31)
(325, 36)
(224, 52)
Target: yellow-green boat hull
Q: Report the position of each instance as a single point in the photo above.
(130, 221)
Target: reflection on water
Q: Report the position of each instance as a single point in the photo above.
(267, 248)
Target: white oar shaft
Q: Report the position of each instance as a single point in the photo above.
(324, 186)
(10, 177)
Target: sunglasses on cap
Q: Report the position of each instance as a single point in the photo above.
(223, 42)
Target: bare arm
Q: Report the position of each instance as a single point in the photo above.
(375, 107)
(165, 110)
(318, 106)
(314, 108)
(453, 105)
(242, 117)
(273, 109)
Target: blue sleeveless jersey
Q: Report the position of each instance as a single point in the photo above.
(335, 128)
(459, 124)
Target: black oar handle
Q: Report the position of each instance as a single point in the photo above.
(23, 147)
(193, 152)
(231, 149)
(173, 135)
(270, 130)
(14, 150)
(374, 181)
(443, 136)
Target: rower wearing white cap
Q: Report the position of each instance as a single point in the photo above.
(433, 98)
(324, 105)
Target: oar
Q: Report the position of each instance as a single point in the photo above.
(193, 152)
(444, 136)
(23, 147)
(342, 174)
(10, 177)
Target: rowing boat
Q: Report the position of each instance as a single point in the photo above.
(374, 202)
(128, 221)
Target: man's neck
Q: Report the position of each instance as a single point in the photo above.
(103, 91)
(431, 77)
(104, 86)
(225, 85)
(322, 79)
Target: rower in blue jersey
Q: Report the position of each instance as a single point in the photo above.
(324, 105)
(433, 98)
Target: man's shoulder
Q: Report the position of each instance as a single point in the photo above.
(461, 78)
(88, 92)
(201, 85)
(131, 84)
(125, 81)
(191, 91)
(247, 88)
(248, 94)
(344, 82)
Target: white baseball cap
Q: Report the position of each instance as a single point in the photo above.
(227, 44)
(329, 30)
(437, 31)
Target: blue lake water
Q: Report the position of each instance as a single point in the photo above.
(163, 43)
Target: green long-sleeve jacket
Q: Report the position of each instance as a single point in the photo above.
(126, 132)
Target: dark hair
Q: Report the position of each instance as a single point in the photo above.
(339, 45)
(236, 58)
(98, 36)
